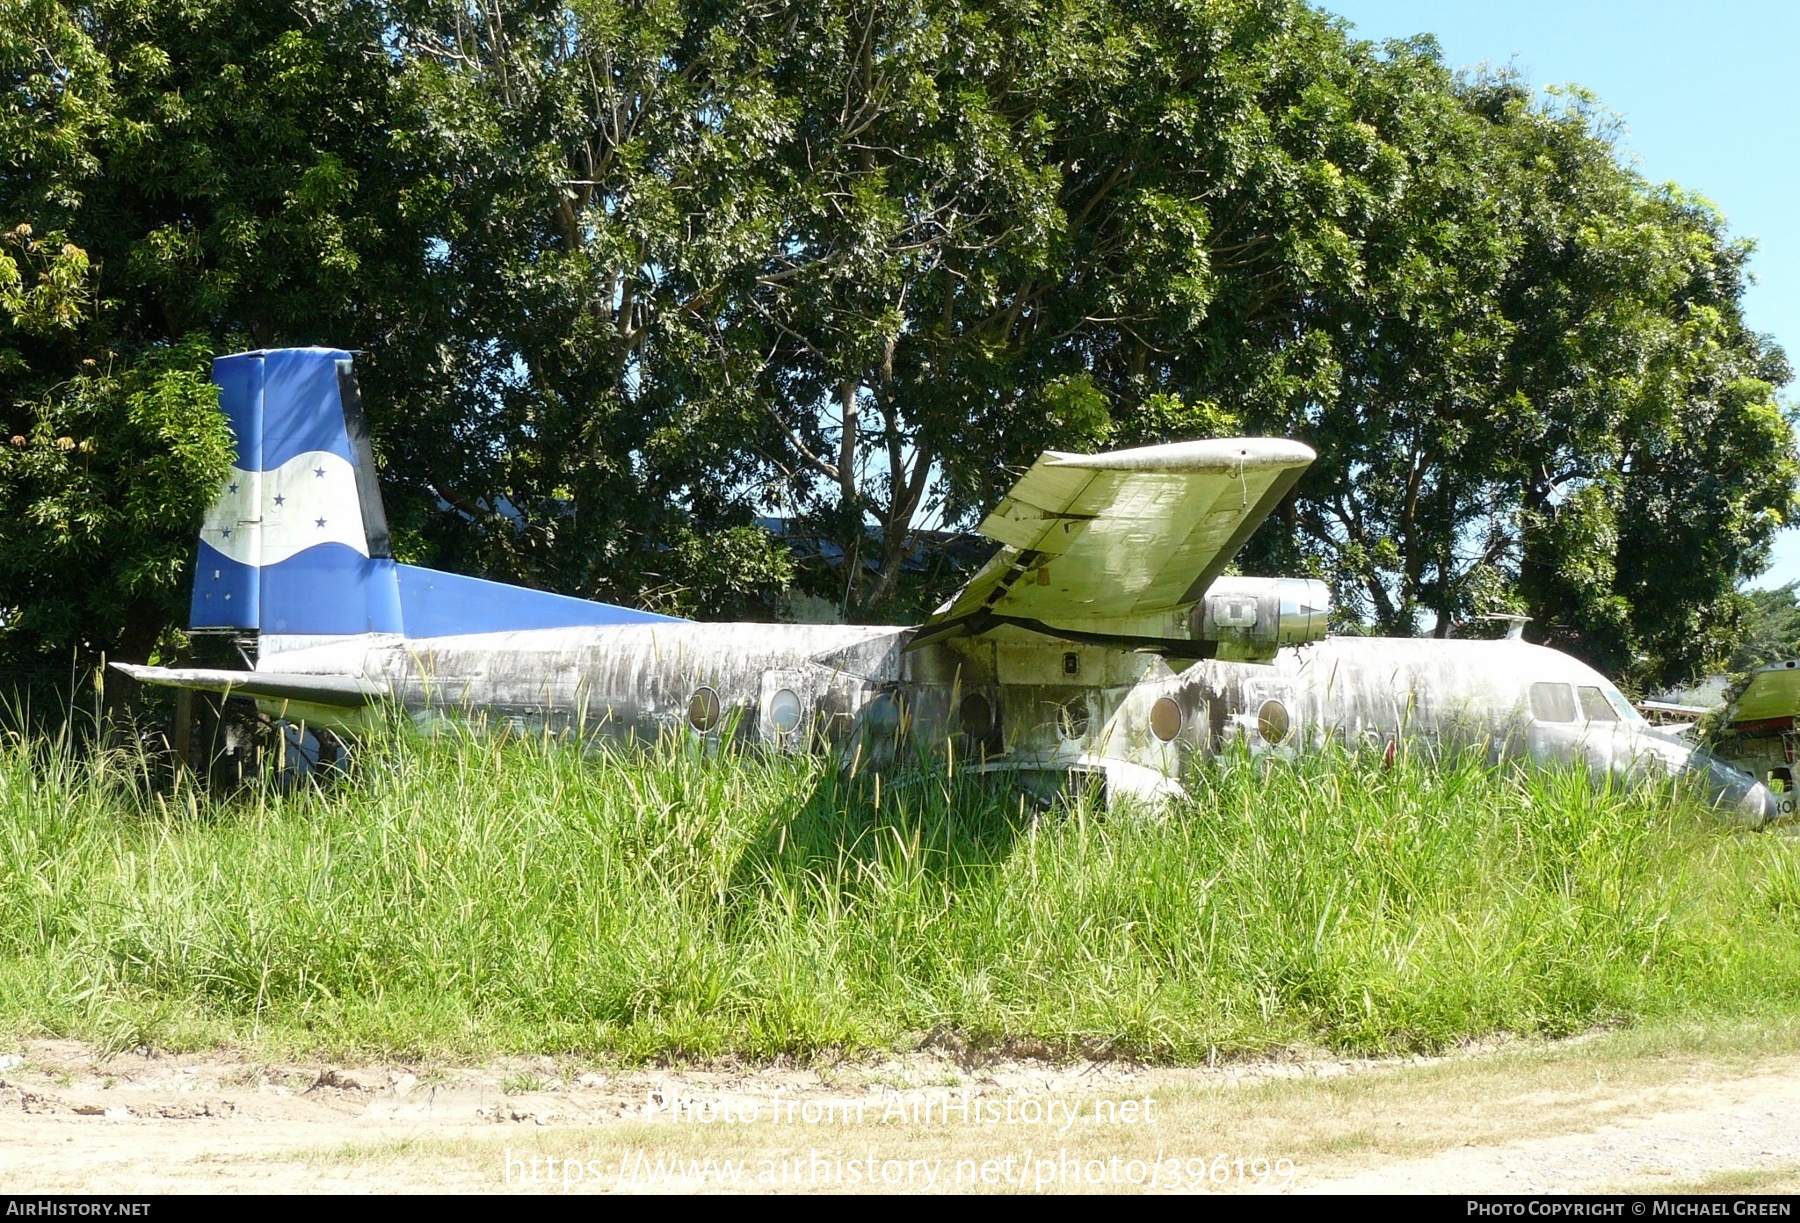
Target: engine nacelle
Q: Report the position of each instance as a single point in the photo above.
(1252, 618)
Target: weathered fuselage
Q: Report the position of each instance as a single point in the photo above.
(1046, 710)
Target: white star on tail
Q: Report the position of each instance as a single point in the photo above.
(264, 517)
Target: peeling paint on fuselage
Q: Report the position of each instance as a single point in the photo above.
(1005, 702)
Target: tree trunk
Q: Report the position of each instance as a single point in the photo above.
(849, 498)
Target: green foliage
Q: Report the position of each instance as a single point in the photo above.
(248, 185)
(1076, 412)
(626, 276)
(475, 895)
(1770, 628)
(958, 234)
(102, 486)
(49, 293)
(727, 572)
(183, 179)
(1166, 418)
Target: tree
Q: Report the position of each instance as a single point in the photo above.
(1001, 229)
(860, 262)
(1770, 627)
(593, 215)
(182, 179)
(626, 276)
(104, 485)
(1651, 461)
(106, 463)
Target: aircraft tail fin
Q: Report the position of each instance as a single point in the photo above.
(297, 542)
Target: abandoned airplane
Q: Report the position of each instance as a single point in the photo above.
(1100, 644)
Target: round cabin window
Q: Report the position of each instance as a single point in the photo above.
(784, 710)
(1165, 718)
(1272, 721)
(704, 710)
(976, 716)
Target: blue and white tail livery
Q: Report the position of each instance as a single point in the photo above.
(297, 542)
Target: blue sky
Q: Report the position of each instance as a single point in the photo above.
(1709, 99)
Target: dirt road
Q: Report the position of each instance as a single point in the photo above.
(1621, 1112)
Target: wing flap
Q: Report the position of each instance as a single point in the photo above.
(1029, 514)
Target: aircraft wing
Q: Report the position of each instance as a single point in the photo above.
(1111, 544)
(347, 691)
(1770, 694)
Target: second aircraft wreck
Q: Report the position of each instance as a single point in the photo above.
(1101, 643)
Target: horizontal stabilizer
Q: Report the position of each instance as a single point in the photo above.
(346, 691)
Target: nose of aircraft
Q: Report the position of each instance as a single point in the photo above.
(1728, 787)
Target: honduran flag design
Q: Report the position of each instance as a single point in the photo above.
(297, 542)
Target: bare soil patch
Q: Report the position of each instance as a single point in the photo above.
(1589, 1114)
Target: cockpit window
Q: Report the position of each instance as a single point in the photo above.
(1553, 702)
(1595, 707)
(1627, 711)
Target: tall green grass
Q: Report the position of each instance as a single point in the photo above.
(464, 894)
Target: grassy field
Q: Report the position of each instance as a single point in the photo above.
(462, 896)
